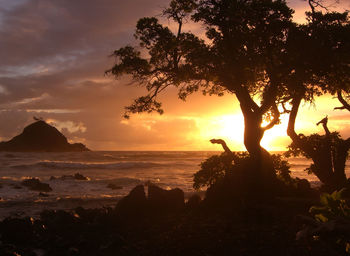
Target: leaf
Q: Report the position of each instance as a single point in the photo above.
(324, 199)
(321, 218)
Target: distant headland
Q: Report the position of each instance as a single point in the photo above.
(41, 137)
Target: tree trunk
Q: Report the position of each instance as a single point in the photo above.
(328, 156)
(253, 133)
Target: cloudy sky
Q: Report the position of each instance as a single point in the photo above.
(53, 57)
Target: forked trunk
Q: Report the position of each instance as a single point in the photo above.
(253, 133)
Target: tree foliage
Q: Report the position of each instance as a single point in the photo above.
(217, 167)
(252, 49)
(242, 53)
(320, 64)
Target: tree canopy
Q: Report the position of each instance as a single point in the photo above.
(251, 48)
(242, 54)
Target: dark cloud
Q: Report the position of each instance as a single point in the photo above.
(41, 31)
(54, 54)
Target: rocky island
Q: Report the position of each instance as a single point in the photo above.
(41, 137)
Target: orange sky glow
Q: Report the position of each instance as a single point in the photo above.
(53, 67)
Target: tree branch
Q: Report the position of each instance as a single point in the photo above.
(275, 120)
(269, 97)
(292, 117)
(222, 143)
(246, 101)
(345, 104)
(324, 122)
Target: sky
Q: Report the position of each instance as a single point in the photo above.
(53, 57)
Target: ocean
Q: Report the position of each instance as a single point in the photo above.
(109, 176)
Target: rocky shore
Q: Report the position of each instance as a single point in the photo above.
(161, 222)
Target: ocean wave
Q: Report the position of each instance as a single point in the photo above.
(80, 165)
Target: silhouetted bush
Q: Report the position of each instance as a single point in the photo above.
(238, 176)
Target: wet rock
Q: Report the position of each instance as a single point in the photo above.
(134, 203)
(15, 186)
(165, 200)
(79, 176)
(36, 185)
(113, 186)
(41, 194)
(76, 176)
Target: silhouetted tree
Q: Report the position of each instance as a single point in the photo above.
(319, 61)
(241, 54)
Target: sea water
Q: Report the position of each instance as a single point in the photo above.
(122, 170)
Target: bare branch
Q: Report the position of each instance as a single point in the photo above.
(345, 104)
(324, 122)
(285, 110)
(275, 120)
(315, 4)
(222, 143)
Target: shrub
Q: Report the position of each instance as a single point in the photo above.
(330, 226)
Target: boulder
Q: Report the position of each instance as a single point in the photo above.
(36, 185)
(135, 203)
(165, 200)
(114, 186)
(194, 201)
(79, 176)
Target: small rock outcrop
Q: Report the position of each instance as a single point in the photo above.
(159, 201)
(41, 137)
(36, 185)
(114, 186)
(76, 176)
(165, 200)
(134, 203)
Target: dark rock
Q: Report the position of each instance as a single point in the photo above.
(43, 194)
(40, 137)
(134, 203)
(79, 176)
(15, 186)
(36, 184)
(303, 185)
(76, 176)
(194, 201)
(165, 200)
(114, 187)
